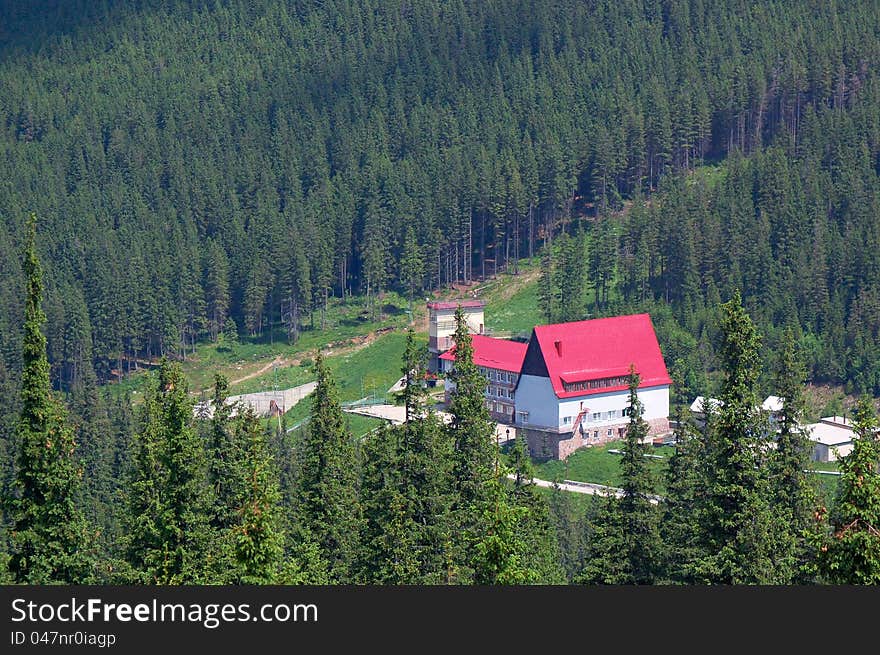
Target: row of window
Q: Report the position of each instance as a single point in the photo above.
(601, 383)
(499, 376)
(499, 408)
(499, 392)
(594, 417)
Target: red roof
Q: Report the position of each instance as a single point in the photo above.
(494, 353)
(601, 348)
(453, 304)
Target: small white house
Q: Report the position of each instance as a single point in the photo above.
(772, 407)
(832, 438)
(701, 404)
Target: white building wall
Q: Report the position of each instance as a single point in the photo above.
(610, 407)
(825, 453)
(442, 321)
(535, 395)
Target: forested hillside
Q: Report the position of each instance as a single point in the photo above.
(194, 161)
(175, 172)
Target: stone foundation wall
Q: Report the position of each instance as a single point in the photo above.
(546, 444)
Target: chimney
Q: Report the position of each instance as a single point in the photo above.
(558, 345)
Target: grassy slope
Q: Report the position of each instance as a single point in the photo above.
(597, 465)
(368, 371)
(346, 327)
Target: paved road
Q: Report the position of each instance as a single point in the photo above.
(584, 488)
(396, 414)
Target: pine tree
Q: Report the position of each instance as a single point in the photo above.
(852, 553)
(625, 546)
(257, 530)
(640, 516)
(471, 427)
(795, 497)
(412, 265)
(50, 538)
(329, 506)
(474, 462)
(737, 529)
(170, 502)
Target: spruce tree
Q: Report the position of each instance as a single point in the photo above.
(852, 553)
(625, 546)
(570, 531)
(425, 450)
(474, 462)
(50, 538)
(222, 455)
(640, 516)
(389, 553)
(329, 505)
(678, 527)
(472, 430)
(535, 526)
(257, 531)
(499, 551)
(794, 496)
(737, 531)
(170, 502)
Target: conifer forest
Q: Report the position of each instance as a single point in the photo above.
(176, 174)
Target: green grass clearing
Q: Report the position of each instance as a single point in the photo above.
(597, 465)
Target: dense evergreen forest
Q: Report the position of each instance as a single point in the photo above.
(195, 161)
(202, 167)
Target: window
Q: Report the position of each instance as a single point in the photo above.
(601, 383)
(597, 416)
(566, 420)
(610, 432)
(595, 434)
(523, 417)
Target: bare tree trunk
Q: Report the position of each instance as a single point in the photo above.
(531, 230)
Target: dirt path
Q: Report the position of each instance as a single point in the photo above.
(278, 361)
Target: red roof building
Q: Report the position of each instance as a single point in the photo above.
(569, 386)
(591, 357)
(500, 361)
(500, 354)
